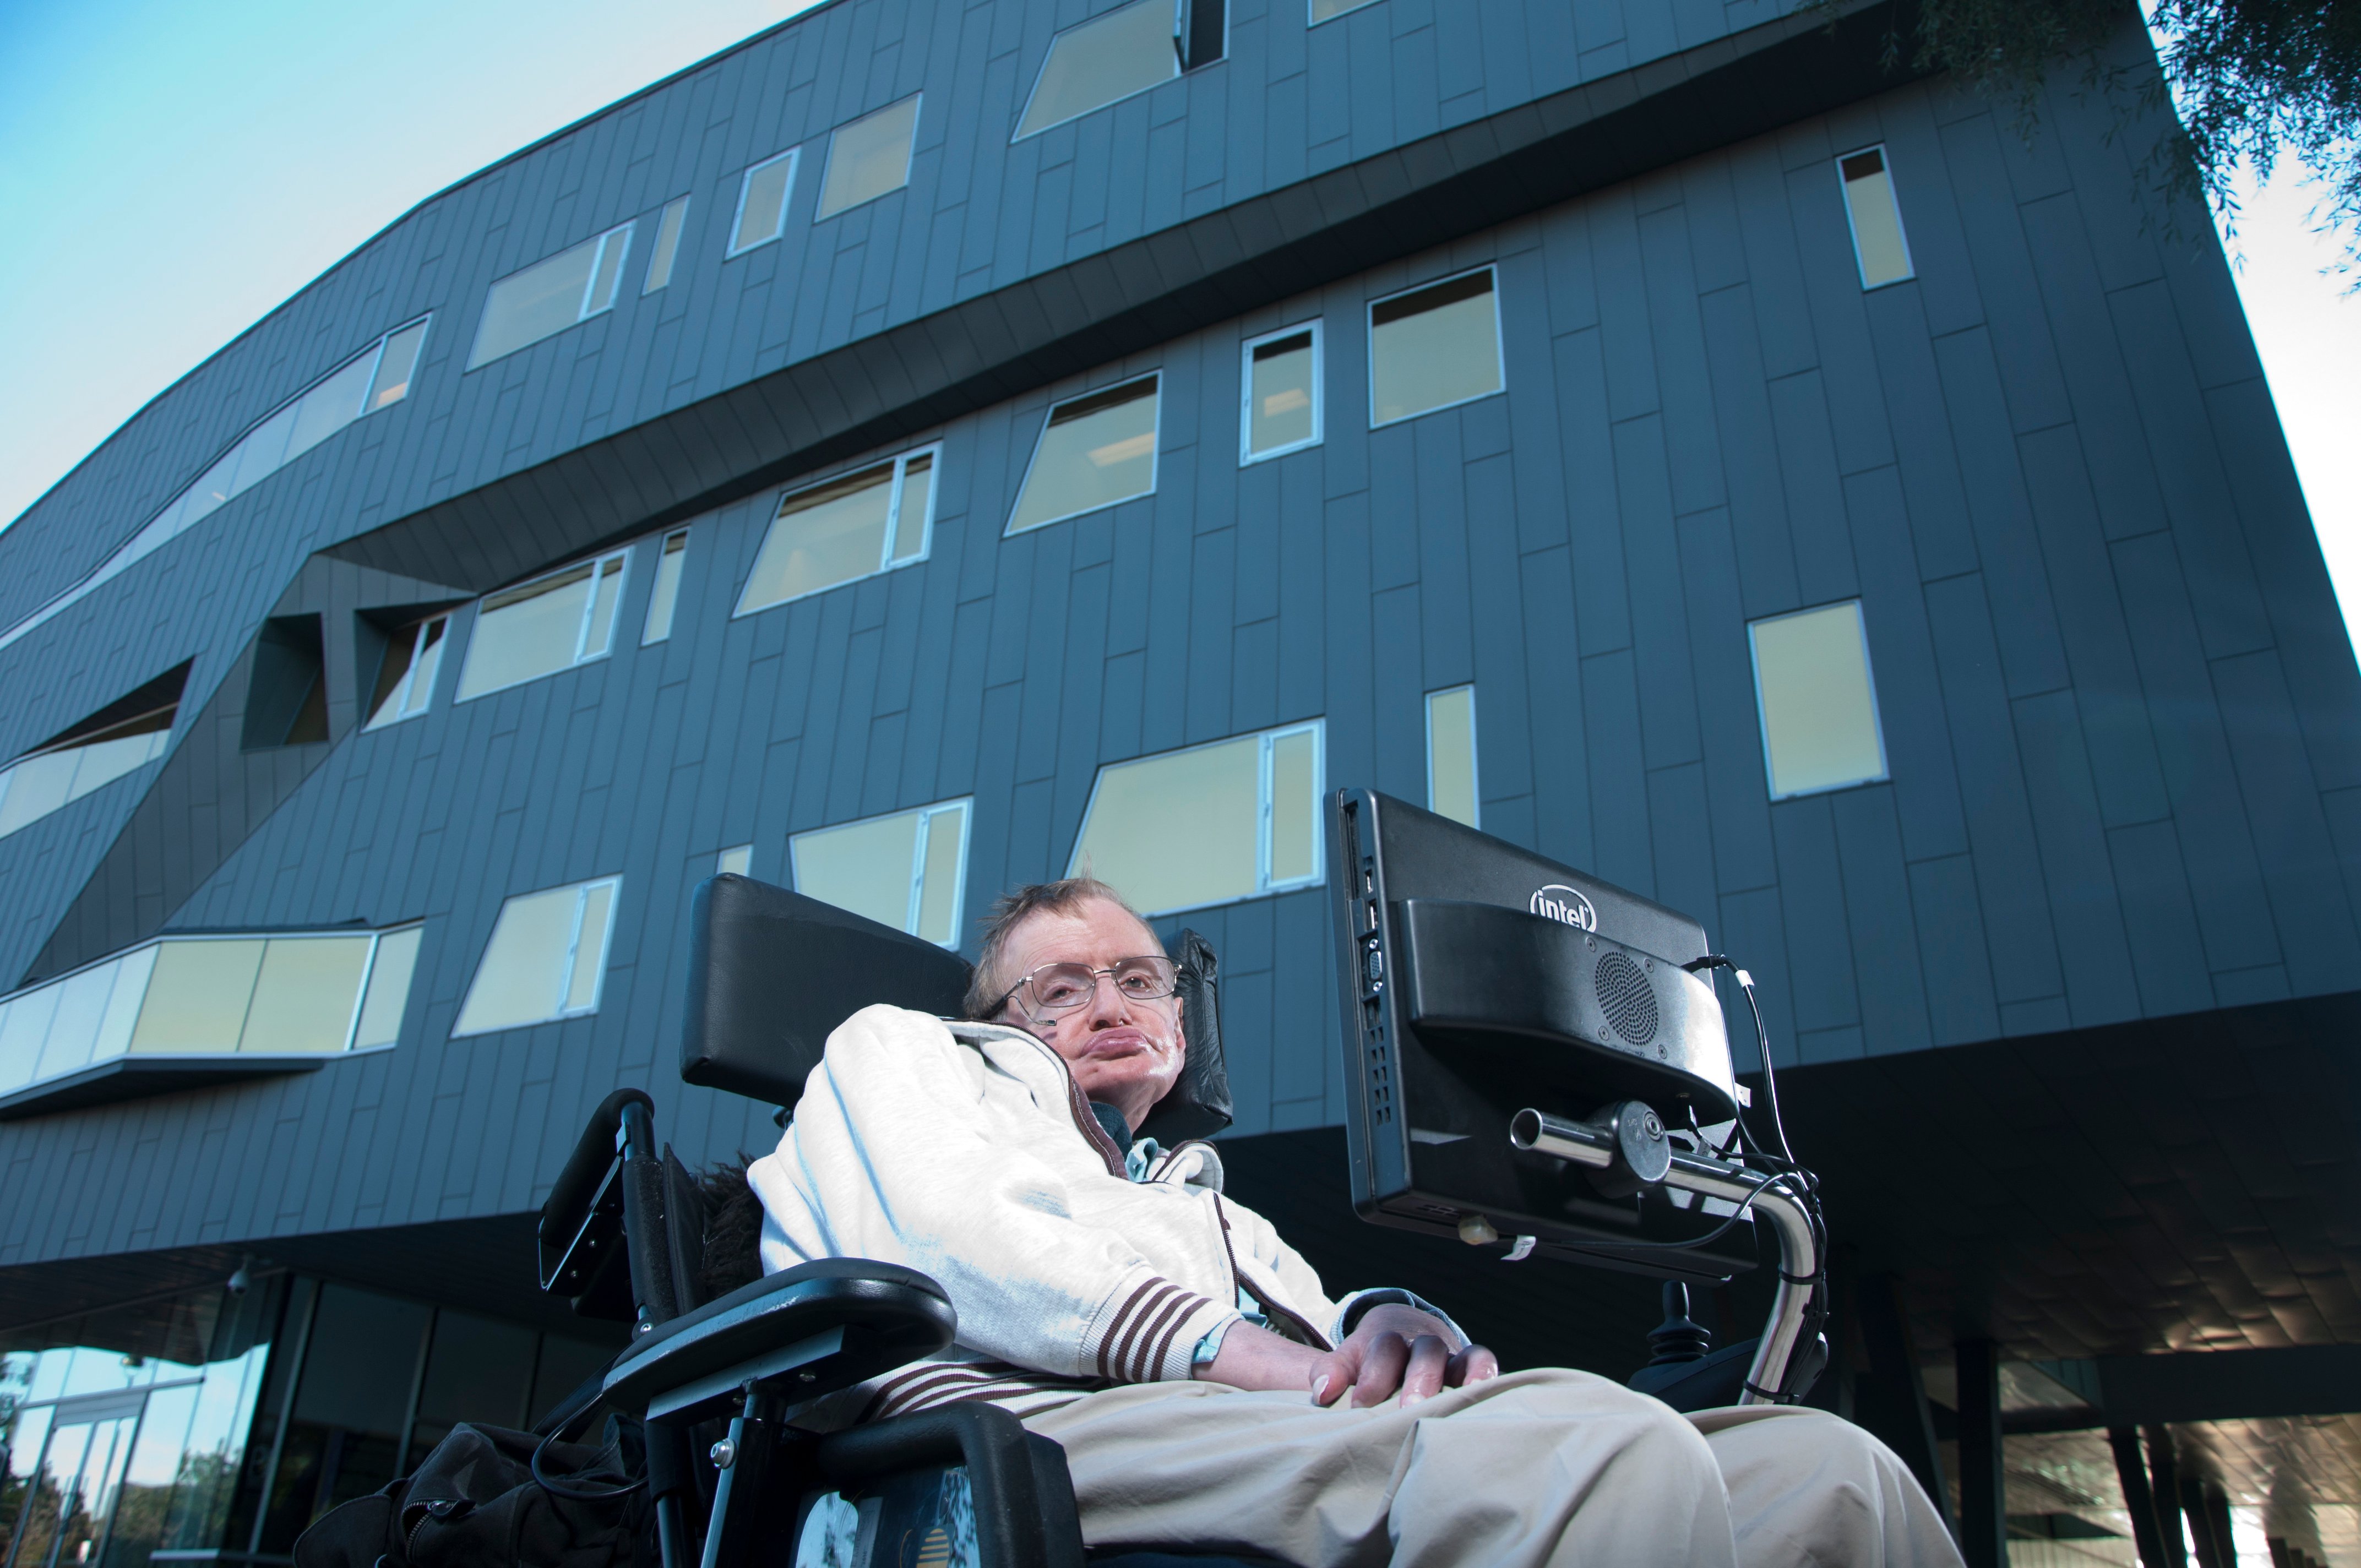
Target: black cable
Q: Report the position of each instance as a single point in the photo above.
(1770, 1073)
(598, 1495)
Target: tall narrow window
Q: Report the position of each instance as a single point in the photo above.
(550, 296)
(908, 871)
(405, 677)
(98, 751)
(869, 158)
(1280, 393)
(1094, 451)
(1450, 755)
(539, 628)
(671, 556)
(389, 381)
(1434, 346)
(762, 202)
(1246, 809)
(1817, 701)
(1875, 217)
(1103, 59)
(667, 246)
(864, 522)
(546, 958)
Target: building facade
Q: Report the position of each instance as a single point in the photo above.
(930, 447)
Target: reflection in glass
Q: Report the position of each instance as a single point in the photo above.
(667, 244)
(736, 861)
(35, 785)
(1105, 59)
(197, 997)
(392, 382)
(1323, 9)
(1451, 754)
(389, 988)
(1282, 394)
(1433, 348)
(1817, 700)
(550, 296)
(869, 158)
(405, 677)
(304, 995)
(906, 871)
(1247, 810)
(763, 203)
(843, 529)
(665, 595)
(1878, 243)
(546, 954)
(943, 862)
(1294, 806)
(1094, 452)
(547, 625)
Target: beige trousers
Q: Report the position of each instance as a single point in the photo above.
(1541, 1467)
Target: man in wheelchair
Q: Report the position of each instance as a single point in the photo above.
(1208, 1393)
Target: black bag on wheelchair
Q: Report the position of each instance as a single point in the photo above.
(477, 1502)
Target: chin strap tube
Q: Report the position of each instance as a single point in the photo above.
(1620, 1142)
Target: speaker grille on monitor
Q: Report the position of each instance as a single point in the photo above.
(1626, 997)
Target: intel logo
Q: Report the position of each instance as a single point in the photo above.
(1561, 903)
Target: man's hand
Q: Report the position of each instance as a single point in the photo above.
(1395, 1349)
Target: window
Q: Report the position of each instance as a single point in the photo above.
(287, 685)
(1094, 452)
(550, 296)
(1433, 348)
(302, 995)
(667, 244)
(908, 871)
(1209, 825)
(405, 677)
(1875, 217)
(736, 861)
(869, 158)
(539, 628)
(115, 740)
(1323, 9)
(661, 598)
(763, 203)
(1279, 386)
(1817, 700)
(1105, 58)
(1450, 755)
(863, 522)
(545, 960)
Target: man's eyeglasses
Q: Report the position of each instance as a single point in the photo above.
(1062, 988)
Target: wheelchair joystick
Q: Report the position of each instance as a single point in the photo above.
(1679, 1339)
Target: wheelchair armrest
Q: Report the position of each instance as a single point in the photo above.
(806, 1331)
(1024, 1496)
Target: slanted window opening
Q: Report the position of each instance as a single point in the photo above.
(545, 960)
(1873, 213)
(1208, 825)
(672, 554)
(1103, 61)
(1815, 695)
(1280, 393)
(869, 158)
(1434, 346)
(763, 196)
(119, 738)
(287, 685)
(856, 525)
(540, 628)
(1094, 451)
(405, 677)
(1328, 10)
(906, 870)
(551, 295)
(1452, 789)
(661, 254)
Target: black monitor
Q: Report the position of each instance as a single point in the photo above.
(1478, 979)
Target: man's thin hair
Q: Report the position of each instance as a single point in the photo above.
(985, 988)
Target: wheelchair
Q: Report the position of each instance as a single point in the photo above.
(718, 1382)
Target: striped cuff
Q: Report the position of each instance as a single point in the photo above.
(1149, 1331)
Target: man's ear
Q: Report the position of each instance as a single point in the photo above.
(1180, 1024)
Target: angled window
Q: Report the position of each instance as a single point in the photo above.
(1451, 788)
(1209, 825)
(736, 861)
(762, 202)
(1323, 9)
(1280, 393)
(908, 871)
(206, 1007)
(550, 296)
(539, 628)
(546, 958)
(1817, 701)
(1875, 217)
(667, 246)
(1094, 451)
(869, 158)
(124, 736)
(854, 526)
(287, 685)
(1434, 346)
(671, 556)
(405, 677)
(1103, 59)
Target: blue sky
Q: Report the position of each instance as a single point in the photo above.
(176, 170)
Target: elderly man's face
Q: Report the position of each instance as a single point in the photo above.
(1124, 1053)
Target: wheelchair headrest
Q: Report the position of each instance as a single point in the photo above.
(771, 973)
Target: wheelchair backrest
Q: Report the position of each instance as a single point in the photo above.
(772, 972)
